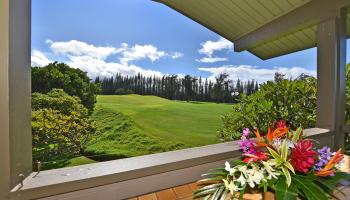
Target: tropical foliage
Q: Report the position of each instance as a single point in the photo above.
(60, 125)
(73, 81)
(292, 100)
(282, 162)
(57, 99)
(56, 134)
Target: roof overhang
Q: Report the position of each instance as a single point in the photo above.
(265, 28)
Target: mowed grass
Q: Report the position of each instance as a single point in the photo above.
(65, 162)
(133, 125)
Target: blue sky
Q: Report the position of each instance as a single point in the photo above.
(103, 37)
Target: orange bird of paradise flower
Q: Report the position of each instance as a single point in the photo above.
(260, 141)
(278, 132)
(328, 168)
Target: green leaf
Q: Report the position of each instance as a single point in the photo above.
(284, 150)
(330, 183)
(217, 193)
(224, 195)
(204, 193)
(273, 153)
(297, 135)
(289, 166)
(202, 181)
(283, 192)
(334, 180)
(310, 189)
(241, 193)
(223, 174)
(217, 169)
(287, 175)
(329, 189)
(209, 187)
(206, 197)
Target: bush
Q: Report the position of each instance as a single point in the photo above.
(60, 125)
(290, 100)
(56, 134)
(73, 81)
(57, 99)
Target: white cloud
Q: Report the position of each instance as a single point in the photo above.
(139, 52)
(211, 59)
(97, 67)
(38, 59)
(77, 48)
(176, 55)
(247, 72)
(210, 47)
(93, 59)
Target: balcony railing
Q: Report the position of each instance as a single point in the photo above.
(131, 177)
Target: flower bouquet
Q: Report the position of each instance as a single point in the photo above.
(281, 162)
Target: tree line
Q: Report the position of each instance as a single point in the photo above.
(173, 87)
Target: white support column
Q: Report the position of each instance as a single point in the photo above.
(15, 93)
(4, 102)
(331, 58)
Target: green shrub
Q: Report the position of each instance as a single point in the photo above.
(73, 81)
(290, 100)
(61, 125)
(56, 134)
(57, 99)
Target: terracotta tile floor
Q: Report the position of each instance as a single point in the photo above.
(185, 192)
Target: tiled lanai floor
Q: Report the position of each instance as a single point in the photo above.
(185, 192)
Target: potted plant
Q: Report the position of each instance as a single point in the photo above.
(279, 165)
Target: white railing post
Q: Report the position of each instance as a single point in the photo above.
(4, 102)
(331, 58)
(15, 93)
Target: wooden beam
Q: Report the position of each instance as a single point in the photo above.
(331, 74)
(310, 13)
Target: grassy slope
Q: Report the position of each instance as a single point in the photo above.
(66, 162)
(132, 125)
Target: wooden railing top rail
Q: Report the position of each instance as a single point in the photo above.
(65, 180)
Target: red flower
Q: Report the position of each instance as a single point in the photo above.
(303, 157)
(254, 157)
(281, 124)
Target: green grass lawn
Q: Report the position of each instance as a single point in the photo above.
(133, 125)
(66, 162)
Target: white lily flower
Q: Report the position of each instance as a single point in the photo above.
(226, 183)
(257, 177)
(241, 180)
(235, 187)
(243, 168)
(231, 186)
(227, 166)
(250, 182)
(229, 169)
